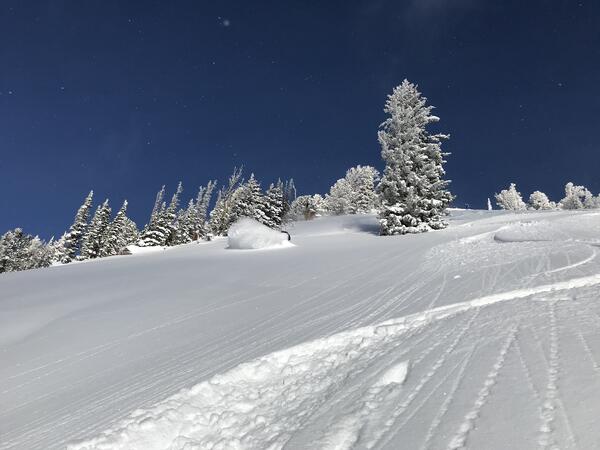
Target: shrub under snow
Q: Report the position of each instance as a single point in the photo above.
(249, 234)
(510, 199)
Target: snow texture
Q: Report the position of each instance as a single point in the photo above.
(487, 336)
(249, 234)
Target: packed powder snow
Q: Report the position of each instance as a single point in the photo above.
(249, 234)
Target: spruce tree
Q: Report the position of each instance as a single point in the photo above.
(96, 239)
(73, 239)
(118, 234)
(220, 216)
(274, 206)
(413, 193)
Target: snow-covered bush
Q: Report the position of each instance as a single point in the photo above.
(538, 200)
(510, 199)
(413, 192)
(574, 197)
(247, 233)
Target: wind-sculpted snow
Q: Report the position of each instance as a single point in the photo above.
(447, 339)
(250, 234)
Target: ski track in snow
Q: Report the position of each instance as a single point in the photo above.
(371, 358)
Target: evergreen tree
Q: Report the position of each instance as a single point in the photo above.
(171, 217)
(274, 206)
(510, 199)
(73, 239)
(306, 207)
(162, 228)
(221, 215)
(413, 193)
(20, 251)
(339, 199)
(118, 234)
(95, 240)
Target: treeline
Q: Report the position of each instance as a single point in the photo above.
(576, 197)
(411, 196)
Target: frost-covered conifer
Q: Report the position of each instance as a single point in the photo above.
(363, 180)
(119, 233)
(274, 206)
(339, 199)
(510, 199)
(306, 207)
(413, 192)
(74, 237)
(489, 204)
(574, 197)
(539, 200)
(20, 251)
(96, 238)
(221, 215)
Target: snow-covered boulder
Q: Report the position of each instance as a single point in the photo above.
(249, 234)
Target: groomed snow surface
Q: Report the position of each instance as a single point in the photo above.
(485, 336)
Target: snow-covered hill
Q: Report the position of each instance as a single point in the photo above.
(483, 335)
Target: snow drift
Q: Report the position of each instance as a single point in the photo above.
(249, 234)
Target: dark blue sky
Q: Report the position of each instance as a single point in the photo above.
(123, 97)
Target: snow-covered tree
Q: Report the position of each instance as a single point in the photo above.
(20, 251)
(274, 206)
(339, 199)
(413, 192)
(574, 197)
(121, 232)
(162, 228)
(510, 199)
(539, 200)
(362, 180)
(96, 238)
(306, 207)
(489, 204)
(74, 237)
(590, 201)
(221, 215)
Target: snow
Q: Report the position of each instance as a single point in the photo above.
(482, 335)
(249, 234)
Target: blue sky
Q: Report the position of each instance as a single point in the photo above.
(123, 97)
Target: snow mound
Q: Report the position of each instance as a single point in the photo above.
(534, 231)
(249, 234)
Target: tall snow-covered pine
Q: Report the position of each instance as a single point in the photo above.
(413, 192)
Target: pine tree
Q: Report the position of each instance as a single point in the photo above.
(20, 251)
(274, 206)
(118, 234)
(73, 239)
(96, 239)
(220, 216)
(413, 193)
(162, 228)
(171, 217)
(339, 199)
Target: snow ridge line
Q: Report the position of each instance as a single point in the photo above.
(460, 439)
(210, 408)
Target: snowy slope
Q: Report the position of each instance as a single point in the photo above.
(484, 335)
